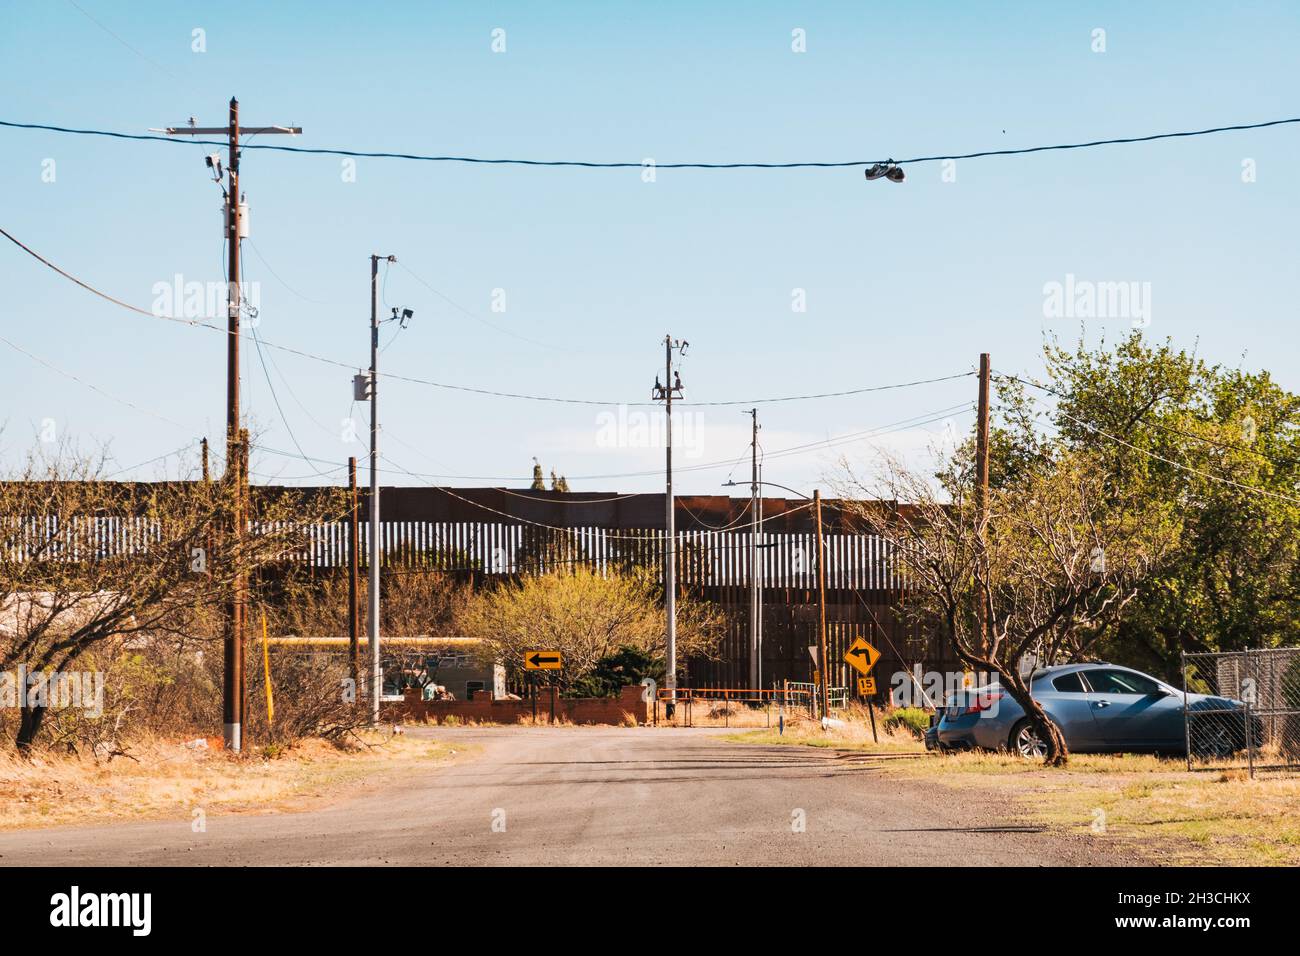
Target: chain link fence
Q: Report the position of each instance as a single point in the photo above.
(1242, 709)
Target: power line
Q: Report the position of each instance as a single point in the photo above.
(1226, 445)
(1169, 461)
(478, 318)
(266, 372)
(279, 279)
(175, 451)
(548, 527)
(840, 394)
(592, 164)
(915, 421)
(90, 385)
(146, 59)
(496, 393)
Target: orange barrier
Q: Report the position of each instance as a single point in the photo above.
(684, 698)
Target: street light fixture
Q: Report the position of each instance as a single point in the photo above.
(797, 494)
(823, 663)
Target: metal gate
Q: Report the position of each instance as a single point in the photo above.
(1242, 709)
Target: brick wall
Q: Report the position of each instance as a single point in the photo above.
(627, 708)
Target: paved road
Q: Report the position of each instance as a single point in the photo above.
(595, 796)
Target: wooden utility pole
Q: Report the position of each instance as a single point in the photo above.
(232, 684)
(354, 579)
(241, 580)
(982, 499)
(825, 668)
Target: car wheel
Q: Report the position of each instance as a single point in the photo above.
(1026, 741)
(1218, 741)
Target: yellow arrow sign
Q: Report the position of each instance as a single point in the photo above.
(861, 656)
(542, 661)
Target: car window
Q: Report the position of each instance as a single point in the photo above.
(1121, 682)
(1069, 684)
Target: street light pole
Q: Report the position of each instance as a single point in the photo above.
(670, 533)
(755, 608)
(376, 672)
(824, 690)
(821, 608)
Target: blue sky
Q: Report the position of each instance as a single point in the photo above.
(901, 282)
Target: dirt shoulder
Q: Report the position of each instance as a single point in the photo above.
(1148, 808)
(1129, 808)
(163, 779)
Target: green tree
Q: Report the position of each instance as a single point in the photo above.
(585, 615)
(1222, 446)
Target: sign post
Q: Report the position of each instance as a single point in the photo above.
(543, 661)
(862, 657)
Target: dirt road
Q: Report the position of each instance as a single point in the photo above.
(586, 795)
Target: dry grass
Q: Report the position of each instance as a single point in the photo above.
(854, 734)
(1149, 806)
(167, 779)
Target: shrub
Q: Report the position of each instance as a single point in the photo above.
(914, 720)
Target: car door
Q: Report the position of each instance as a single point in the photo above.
(1132, 710)
(1067, 701)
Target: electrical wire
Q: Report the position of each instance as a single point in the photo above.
(478, 318)
(157, 66)
(175, 451)
(1179, 465)
(592, 164)
(90, 385)
(276, 275)
(1227, 446)
(916, 421)
(539, 524)
(266, 372)
(496, 393)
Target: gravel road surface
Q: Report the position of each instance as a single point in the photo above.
(591, 796)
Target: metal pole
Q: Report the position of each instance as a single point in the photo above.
(982, 501)
(821, 609)
(376, 675)
(670, 534)
(1250, 745)
(354, 579)
(759, 587)
(232, 640)
(754, 607)
(1187, 730)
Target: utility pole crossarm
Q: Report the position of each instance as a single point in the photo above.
(224, 130)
